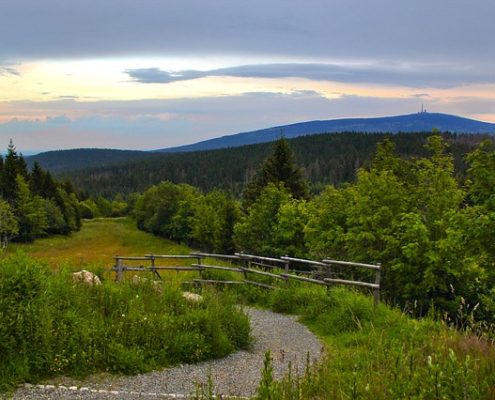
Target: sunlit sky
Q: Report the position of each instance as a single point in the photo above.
(151, 74)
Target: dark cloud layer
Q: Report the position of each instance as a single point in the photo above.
(426, 31)
(419, 76)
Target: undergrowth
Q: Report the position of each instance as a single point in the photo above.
(375, 352)
(50, 325)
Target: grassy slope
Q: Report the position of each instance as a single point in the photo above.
(381, 353)
(96, 243)
(75, 330)
(372, 353)
(50, 326)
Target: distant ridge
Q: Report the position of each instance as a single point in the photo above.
(66, 160)
(419, 122)
(60, 161)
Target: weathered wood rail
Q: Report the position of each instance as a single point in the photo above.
(247, 264)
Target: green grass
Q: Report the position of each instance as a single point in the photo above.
(371, 352)
(379, 352)
(52, 326)
(94, 246)
(96, 243)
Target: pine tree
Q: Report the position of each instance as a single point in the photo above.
(37, 180)
(9, 174)
(50, 188)
(278, 168)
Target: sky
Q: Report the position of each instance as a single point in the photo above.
(148, 74)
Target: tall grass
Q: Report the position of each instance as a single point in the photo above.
(96, 243)
(379, 352)
(50, 325)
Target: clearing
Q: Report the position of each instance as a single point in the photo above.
(96, 243)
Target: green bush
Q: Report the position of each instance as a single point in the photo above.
(296, 298)
(51, 325)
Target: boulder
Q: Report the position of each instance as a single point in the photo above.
(192, 297)
(86, 277)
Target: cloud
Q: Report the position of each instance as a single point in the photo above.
(68, 97)
(456, 31)
(418, 76)
(6, 70)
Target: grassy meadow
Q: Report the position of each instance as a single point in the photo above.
(51, 326)
(95, 244)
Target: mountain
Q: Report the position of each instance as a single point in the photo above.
(67, 160)
(61, 161)
(419, 122)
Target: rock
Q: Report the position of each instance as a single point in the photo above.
(86, 277)
(192, 297)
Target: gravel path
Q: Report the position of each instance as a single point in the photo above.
(237, 374)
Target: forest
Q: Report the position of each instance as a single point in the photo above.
(422, 206)
(325, 159)
(33, 203)
(429, 227)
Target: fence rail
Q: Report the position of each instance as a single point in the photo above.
(249, 264)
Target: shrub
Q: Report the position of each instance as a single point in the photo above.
(51, 325)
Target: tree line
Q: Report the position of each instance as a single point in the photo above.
(432, 231)
(33, 203)
(326, 159)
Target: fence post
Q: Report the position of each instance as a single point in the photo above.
(246, 264)
(201, 268)
(152, 259)
(153, 269)
(286, 269)
(120, 270)
(376, 291)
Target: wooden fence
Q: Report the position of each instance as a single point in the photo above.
(251, 265)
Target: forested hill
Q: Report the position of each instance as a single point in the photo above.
(62, 161)
(66, 160)
(326, 159)
(419, 122)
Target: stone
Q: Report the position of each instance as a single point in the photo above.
(86, 277)
(192, 297)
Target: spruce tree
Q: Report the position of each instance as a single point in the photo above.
(37, 180)
(9, 174)
(50, 189)
(278, 168)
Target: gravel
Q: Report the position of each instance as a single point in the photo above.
(237, 374)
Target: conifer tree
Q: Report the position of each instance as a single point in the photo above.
(37, 180)
(50, 188)
(278, 168)
(10, 171)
